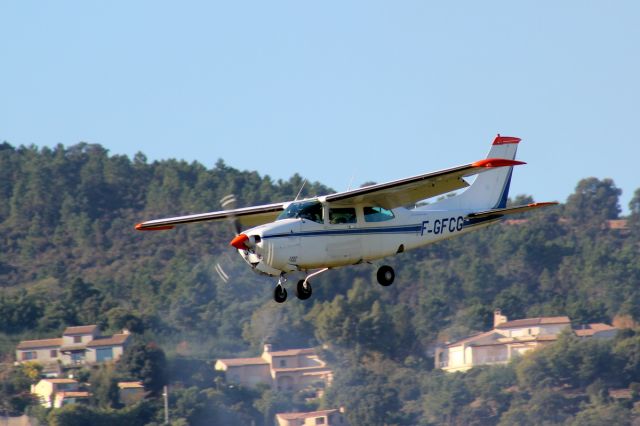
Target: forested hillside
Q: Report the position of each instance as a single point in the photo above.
(69, 255)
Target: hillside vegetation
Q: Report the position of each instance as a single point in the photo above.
(69, 255)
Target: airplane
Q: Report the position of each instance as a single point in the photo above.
(364, 225)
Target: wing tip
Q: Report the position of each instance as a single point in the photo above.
(142, 227)
(543, 204)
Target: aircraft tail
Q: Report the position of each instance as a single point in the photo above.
(490, 189)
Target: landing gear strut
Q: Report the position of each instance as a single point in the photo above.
(280, 293)
(386, 275)
(303, 289)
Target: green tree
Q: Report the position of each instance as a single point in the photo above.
(145, 362)
(594, 201)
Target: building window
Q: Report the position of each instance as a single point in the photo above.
(77, 357)
(26, 356)
(77, 339)
(283, 363)
(104, 354)
(53, 353)
(319, 420)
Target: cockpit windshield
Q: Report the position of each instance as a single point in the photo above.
(311, 210)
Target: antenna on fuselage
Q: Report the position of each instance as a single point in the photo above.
(301, 188)
(353, 176)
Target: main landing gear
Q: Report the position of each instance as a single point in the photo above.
(303, 290)
(385, 275)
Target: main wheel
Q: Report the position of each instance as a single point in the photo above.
(386, 275)
(280, 294)
(303, 292)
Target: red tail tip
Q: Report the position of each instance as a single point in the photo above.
(503, 140)
(496, 162)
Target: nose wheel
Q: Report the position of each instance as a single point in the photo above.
(280, 293)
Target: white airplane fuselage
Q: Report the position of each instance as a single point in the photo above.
(298, 244)
(352, 227)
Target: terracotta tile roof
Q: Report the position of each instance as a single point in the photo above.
(73, 348)
(620, 393)
(313, 369)
(81, 329)
(300, 416)
(527, 322)
(515, 340)
(474, 338)
(591, 329)
(115, 340)
(130, 385)
(237, 362)
(293, 352)
(44, 343)
(72, 394)
(60, 381)
(617, 224)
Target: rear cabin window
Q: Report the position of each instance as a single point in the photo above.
(377, 214)
(342, 215)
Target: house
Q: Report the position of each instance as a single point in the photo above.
(56, 393)
(325, 417)
(292, 369)
(130, 392)
(509, 339)
(598, 331)
(77, 346)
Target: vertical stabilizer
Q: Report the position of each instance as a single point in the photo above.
(490, 189)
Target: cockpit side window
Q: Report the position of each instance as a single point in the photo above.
(377, 214)
(310, 210)
(342, 215)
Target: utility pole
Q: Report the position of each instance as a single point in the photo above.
(165, 394)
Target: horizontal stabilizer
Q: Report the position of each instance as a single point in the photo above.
(510, 210)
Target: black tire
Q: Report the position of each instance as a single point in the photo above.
(386, 275)
(303, 293)
(280, 294)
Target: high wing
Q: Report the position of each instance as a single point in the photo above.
(509, 210)
(247, 216)
(409, 191)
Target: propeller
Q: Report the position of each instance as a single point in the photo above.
(228, 202)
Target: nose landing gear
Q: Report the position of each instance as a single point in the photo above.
(280, 293)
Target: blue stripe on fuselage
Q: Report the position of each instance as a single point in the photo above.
(407, 229)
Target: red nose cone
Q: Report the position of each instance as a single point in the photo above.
(239, 242)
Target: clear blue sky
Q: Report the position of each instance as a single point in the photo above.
(333, 90)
